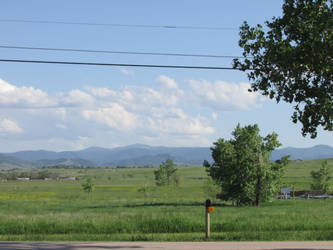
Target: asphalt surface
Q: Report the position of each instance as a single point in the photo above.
(166, 245)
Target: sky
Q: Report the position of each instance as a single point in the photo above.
(72, 107)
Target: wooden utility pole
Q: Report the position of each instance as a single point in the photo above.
(209, 208)
(207, 223)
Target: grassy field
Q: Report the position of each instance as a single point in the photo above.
(126, 205)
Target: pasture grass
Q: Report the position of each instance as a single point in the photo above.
(120, 209)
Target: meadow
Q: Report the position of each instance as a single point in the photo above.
(126, 205)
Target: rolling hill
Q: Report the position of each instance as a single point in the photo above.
(139, 155)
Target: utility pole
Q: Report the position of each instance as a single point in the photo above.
(208, 208)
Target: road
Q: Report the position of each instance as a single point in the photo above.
(165, 245)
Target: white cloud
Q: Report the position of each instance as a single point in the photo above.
(225, 96)
(175, 121)
(76, 97)
(169, 86)
(136, 97)
(167, 82)
(63, 144)
(10, 95)
(124, 96)
(115, 116)
(8, 126)
(101, 92)
(130, 114)
(127, 72)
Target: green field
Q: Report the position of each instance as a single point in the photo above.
(126, 205)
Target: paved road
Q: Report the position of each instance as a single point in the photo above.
(165, 245)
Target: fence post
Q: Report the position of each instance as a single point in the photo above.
(208, 204)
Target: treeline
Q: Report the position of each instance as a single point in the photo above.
(37, 175)
(94, 167)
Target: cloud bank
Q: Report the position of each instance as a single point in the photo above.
(162, 114)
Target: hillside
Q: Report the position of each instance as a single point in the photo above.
(8, 162)
(298, 173)
(316, 152)
(139, 155)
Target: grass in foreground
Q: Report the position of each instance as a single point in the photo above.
(118, 210)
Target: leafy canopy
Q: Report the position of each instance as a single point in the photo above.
(320, 178)
(242, 167)
(293, 61)
(164, 173)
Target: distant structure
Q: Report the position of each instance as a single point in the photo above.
(285, 193)
(23, 179)
(67, 178)
(61, 179)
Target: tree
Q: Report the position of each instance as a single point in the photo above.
(321, 177)
(210, 189)
(177, 179)
(164, 173)
(43, 174)
(160, 176)
(88, 186)
(242, 166)
(293, 61)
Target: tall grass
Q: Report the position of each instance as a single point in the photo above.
(117, 210)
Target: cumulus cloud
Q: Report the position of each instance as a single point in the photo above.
(9, 126)
(136, 97)
(75, 98)
(163, 112)
(10, 95)
(124, 96)
(225, 96)
(115, 116)
(175, 121)
(169, 86)
(167, 82)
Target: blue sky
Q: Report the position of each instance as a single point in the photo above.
(68, 107)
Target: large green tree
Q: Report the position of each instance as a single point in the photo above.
(292, 60)
(242, 166)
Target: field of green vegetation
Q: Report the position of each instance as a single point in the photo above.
(126, 205)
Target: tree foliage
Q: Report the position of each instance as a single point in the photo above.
(293, 61)
(242, 167)
(164, 174)
(321, 177)
(211, 189)
(88, 186)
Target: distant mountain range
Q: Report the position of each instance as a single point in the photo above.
(138, 155)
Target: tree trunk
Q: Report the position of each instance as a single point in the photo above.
(258, 191)
(258, 186)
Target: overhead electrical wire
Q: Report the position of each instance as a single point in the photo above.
(117, 64)
(117, 52)
(118, 24)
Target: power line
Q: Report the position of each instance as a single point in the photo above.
(117, 52)
(118, 24)
(117, 64)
